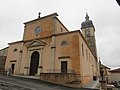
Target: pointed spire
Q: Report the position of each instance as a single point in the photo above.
(87, 17)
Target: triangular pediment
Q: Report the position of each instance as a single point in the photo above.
(35, 43)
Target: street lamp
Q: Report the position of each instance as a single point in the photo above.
(102, 78)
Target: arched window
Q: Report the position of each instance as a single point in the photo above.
(64, 43)
(15, 50)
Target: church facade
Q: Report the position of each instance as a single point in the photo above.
(3, 55)
(49, 47)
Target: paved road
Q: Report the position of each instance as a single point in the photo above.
(15, 83)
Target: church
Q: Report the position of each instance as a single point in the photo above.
(49, 48)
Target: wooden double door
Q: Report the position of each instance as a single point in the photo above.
(34, 63)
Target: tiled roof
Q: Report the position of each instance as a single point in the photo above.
(115, 70)
(105, 66)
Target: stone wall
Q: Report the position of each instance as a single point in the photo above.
(66, 79)
(2, 61)
(2, 64)
(115, 76)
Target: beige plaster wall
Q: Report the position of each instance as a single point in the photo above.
(115, 76)
(44, 51)
(60, 28)
(13, 57)
(69, 51)
(88, 64)
(46, 55)
(24, 59)
(45, 24)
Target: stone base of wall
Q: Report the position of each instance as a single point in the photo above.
(66, 79)
(2, 61)
(2, 64)
(2, 71)
(86, 80)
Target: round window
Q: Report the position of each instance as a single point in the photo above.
(38, 30)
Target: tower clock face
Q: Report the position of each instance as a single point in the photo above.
(37, 30)
(87, 32)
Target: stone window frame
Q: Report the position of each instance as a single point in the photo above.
(64, 43)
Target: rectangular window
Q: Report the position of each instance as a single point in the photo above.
(89, 56)
(86, 54)
(82, 50)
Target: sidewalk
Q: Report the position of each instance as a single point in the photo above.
(20, 83)
(93, 85)
(30, 77)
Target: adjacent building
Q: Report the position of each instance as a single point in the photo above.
(48, 47)
(115, 75)
(3, 55)
(106, 73)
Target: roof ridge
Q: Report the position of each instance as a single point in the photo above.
(53, 14)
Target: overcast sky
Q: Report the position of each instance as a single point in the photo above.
(105, 15)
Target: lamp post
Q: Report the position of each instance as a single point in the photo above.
(102, 78)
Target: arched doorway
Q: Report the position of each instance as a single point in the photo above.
(34, 63)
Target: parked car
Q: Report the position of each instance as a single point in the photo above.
(117, 84)
(110, 87)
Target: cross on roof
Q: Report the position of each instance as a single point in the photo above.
(39, 14)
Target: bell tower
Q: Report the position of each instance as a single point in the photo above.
(88, 32)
